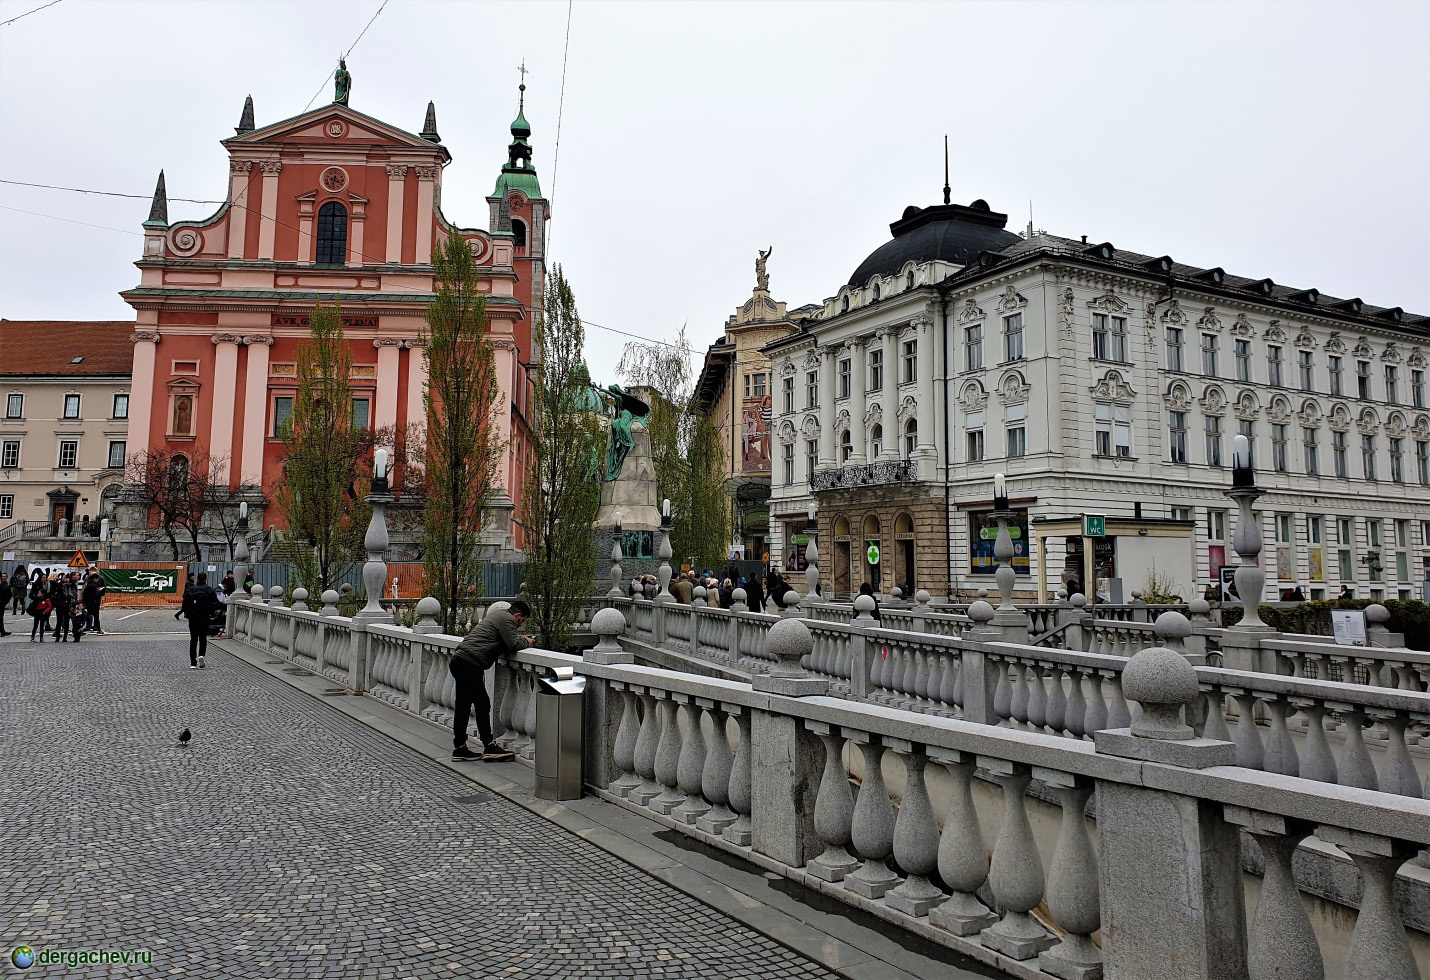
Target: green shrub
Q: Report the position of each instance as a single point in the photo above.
(1408, 616)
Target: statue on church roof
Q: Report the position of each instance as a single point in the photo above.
(342, 83)
(762, 278)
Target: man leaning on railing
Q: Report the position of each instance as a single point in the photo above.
(495, 635)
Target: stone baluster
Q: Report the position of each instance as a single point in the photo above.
(1118, 714)
(833, 809)
(690, 768)
(522, 743)
(1057, 700)
(1280, 755)
(915, 838)
(872, 829)
(1398, 775)
(506, 700)
(1280, 942)
(647, 744)
(1215, 726)
(1075, 714)
(741, 832)
(1073, 894)
(528, 751)
(1018, 707)
(667, 759)
(1016, 871)
(715, 776)
(1379, 949)
(962, 855)
(949, 690)
(1002, 693)
(1250, 754)
(1356, 768)
(1037, 698)
(888, 672)
(627, 732)
(921, 681)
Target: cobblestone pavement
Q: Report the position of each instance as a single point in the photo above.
(288, 840)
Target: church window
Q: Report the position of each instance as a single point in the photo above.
(282, 415)
(518, 230)
(911, 437)
(846, 446)
(876, 441)
(332, 234)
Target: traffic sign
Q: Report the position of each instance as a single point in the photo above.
(1094, 526)
(79, 560)
(873, 554)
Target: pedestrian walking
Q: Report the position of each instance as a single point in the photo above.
(39, 609)
(19, 587)
(91, 597)
(5, 597)
(65, 598)
(495, 635)
(198, 609)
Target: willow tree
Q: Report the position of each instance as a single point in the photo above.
(464, 440)
(323, 451)
(685, 448)
(563, 489)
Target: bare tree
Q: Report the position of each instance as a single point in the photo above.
(183, 494)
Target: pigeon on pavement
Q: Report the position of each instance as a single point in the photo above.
(184, 736)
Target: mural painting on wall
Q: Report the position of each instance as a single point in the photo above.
(755, 435)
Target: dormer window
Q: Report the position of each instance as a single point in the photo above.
(844, 306)
(876, 290)
(332, 234)
(910, 280)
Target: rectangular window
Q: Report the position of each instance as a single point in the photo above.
(787, 391)
(1346, 562)
(1313, 530)
(1345, 532)
(1113, 434)
(1392, 384)
(1308, 445)
(1213, 434)
(1243, 360)
(121, 406)
(1307, 369)
(10, 454)
(7, 505)
(282, 415)
(760, 385)
(1402, 567)
(1174, 348)
(14, 406)
(1397, 460)
(1372, 532)
(844, 374)
(911, 361)
(1180, 513)
(1422, 464)
(1338, 454)
(1216, 525)
(71, 406)
(116, 455)
(876, 370)
(1417, 388)
(1247, 428)
(749, 385)
(811, 389)
(1273, 365)
(787, 452)
(1367, 456)
(1177, 436)
(1363, 379)
(1283, 528)
(973, 347)
(1017, 416)
(1402, 534)
(1013, 337)
(69, 453)
(1278, 448)
(1209, 365)
(1109, 337)
(811, 458)
(1333, 367)
(361, 414)
(974, 426)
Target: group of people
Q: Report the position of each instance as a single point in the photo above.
(760, 594)
(62, 606)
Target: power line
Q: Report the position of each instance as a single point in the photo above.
(560, 107)
(83, 190)
(349, 51)
(28, 13)
(72, 221)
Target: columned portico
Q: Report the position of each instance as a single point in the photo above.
(389, 350)
(224, 392)
(828, 366)
(255, 408)
(858, 388)
(889, 394)
(141, 397)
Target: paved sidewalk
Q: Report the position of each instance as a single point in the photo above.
(290, 840)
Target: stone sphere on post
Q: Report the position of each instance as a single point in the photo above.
(257, 592)
(1078, 601)
(1376, 615)
(788, 642)
(608, 624)
(791, 609)
(739, 600)
(1200, 609)
(330, 603)
(1162, 681)
(275, 595)
(864, 609)
(697, 596)
(300, 599)
(896, 593)
(922, 597)
(428, 609)
(981, 612)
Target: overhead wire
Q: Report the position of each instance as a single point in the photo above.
(560, 111)
(27, 13)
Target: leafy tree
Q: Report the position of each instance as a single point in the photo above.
(463, 440)
(563, 491)
(323, 453)
(685, 448)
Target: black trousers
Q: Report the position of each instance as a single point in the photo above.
(198, 640)
(471, 690)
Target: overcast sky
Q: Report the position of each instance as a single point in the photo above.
(1289, 140)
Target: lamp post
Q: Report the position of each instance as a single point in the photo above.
(240, 548)
(374, 570)
(811, 556)
(616, 556)
(663, 573)
(1250, 578)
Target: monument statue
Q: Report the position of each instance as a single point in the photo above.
(628, 410)
(342, 83)
(762, 278)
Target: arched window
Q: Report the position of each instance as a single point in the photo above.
(876, 441)
(332, 234)
(518, 230)
(845, 305)
(178, 471)
(846, 446)
(876, 290)
(911, 437)
(910, 279)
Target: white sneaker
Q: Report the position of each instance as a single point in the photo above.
(201, 661)
(193, 666)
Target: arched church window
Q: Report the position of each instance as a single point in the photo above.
(332, 234)
(518, 229)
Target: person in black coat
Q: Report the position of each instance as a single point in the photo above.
(200, 601)
(755, 595)
(868, 590)
(5, 597)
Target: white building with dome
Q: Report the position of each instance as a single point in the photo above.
(1101, 381)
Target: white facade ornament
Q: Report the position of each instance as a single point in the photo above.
(841, 421)
(1310, 414)
(974, 398)
(1210, 322)
(1109, 302)
(1395, 425)
(1178, 397)
(971, 310)
(1011, 301)
(1304, 340)
(810, 427)
(787, 433)
(1362, 349)
(1012, 389)
(921, 321)
(1416, 358)
(1367, 423)
(1065, 311)
(787, 369)
(1280, 410)
(1422, 427)
(1173, 314)
(908, 408)
(1340, 419)
(1274, 333)
(1113, 387)
(874, 415)
(1213, 401)
(1390, 355)
(811, 360)
(1241, 326)
(1335, 345)
(1247, 408)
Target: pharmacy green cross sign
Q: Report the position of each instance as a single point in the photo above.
(1094, 526)
(873, 554)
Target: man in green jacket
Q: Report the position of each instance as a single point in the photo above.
(495, 635)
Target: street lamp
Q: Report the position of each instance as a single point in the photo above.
(663, 573)
(616, 556)
(1250, 579)
(811, 555)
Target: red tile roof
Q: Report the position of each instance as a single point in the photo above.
(44, 347)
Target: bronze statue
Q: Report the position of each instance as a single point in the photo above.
(628, 410)
(762, 278)
(343, 83)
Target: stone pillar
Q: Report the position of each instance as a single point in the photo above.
(785, 756)
(858, 383)
(268, 224)
(396, 182)
(977, 675)
(923, 332)
(828, 374)
(255, 409)
(225, 383)
(385, 409)
(416, 381)
(238, 171)
(889, 395)
(141, 389)
(426, 195)
(602, 706)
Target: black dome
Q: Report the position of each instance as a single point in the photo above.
(950, 232)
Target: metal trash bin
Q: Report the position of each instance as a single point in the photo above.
(558, 734)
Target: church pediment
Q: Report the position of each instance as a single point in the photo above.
(334, 124)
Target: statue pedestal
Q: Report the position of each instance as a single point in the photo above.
(633, 494)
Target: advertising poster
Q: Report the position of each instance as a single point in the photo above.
(1318, 569)
(755, 435)
(983, 531)
(142, 581)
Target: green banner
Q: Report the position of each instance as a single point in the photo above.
(141, 581)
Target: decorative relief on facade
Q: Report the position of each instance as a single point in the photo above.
(1390, 355)
(415, 343)
(908, 408)
(396, 171)
(1422, 427)
(850, 476)
(386, 342)
(1304, 340)
(874, 415)
(226, 338)
(1241, 326)
(1367, 422)
(1334, 344)
(1280, 410)
(811, 360)
(1109, 302)
(1416, 358)
(1065, 311)
(516, 198)
(787, 368)
(144, 336)
(1209, 321)
(1362, 349)
(1310, 414)
(1178, 397)
(240, 166)
(1113, 387)
(1173, 313)
(973, 398)
(334, 179)
(1011, 301)
(1395, 425)
(427, 173)
(921, 321)
(271, 168)
(336, 129)
(787, 433)
(971, 310)
(1340, 419)
(810, 427)
(258, 338)
(1247, 408)
(1274, 333)
(841, 421)
(186, 241)
(1213, 402)
(1013, 389)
